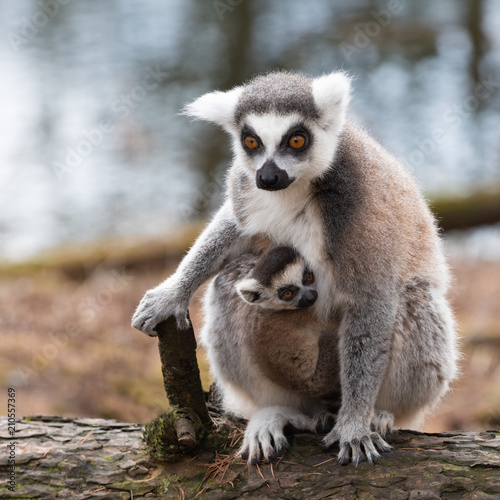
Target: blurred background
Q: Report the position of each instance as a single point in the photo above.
(103, 187)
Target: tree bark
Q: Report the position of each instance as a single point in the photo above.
(181, 375)
(186, 425)
(94, 458)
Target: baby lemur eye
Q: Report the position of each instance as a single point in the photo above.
(308, 278)
(288, 292)
(251, 142)
(297, 141)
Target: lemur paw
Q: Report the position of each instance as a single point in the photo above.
(383, 422)
(157, 305)
(356, 445)
(265, 437)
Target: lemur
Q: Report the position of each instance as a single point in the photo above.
(305, 177)
(285, 338)
(258, 327)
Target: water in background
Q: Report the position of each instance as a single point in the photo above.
(90, 143)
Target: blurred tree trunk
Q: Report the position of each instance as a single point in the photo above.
(474, 25)
(234, 66)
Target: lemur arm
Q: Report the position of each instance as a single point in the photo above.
(220, 242)
(365, 337)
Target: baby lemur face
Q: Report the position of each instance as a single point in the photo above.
(280, 280)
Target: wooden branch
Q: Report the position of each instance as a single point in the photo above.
(95, 458)
(181, 374)
(186, 425)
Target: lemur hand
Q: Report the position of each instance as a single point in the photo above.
(158, 304)
(357, 442)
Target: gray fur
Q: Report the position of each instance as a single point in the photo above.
(358, 218)
(282, 92)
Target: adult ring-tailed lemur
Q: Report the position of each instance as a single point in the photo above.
(306, 178)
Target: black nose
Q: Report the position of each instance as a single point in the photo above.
(272, 178)
(308, 299)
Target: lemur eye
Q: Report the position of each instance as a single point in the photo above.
(251, 142)
(297, 141)
(288, 294)
(309, 277)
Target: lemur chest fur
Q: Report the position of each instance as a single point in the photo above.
(291, 219)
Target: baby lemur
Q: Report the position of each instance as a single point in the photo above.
(305, 177)
(286, 339)
(264, 350)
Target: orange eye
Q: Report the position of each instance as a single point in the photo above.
(310, 277)
(251, 142)
(287, 295)
(297, 141)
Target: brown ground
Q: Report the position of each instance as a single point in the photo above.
(68, 348)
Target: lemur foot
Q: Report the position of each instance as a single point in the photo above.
(264, 436)
(383, 422)
(157, 305)
(356, 443)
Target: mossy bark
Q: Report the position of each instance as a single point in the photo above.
(187, 423)
(181, 374)
(94, 458)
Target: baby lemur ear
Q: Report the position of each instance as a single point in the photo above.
(250, 291)
(332, 94)
(217, 107)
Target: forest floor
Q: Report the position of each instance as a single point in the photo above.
(68, 347)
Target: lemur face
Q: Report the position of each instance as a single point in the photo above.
(284, 126)
(276, 149)
(280, 280)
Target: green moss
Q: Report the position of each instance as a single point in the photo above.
(166, 482)
(161, 437)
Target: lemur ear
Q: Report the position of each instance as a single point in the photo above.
(250, 291)
(332, 94)
(217, 107)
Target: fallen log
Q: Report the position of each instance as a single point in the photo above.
(82, 458)
(476, 209)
